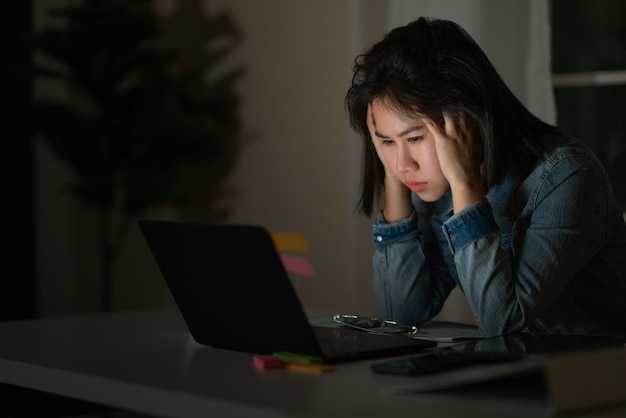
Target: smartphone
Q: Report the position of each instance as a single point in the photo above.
(497, 349)
(423, 364)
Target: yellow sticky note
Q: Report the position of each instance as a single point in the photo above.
(290, 242)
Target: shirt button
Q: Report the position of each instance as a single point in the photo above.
(379, 238)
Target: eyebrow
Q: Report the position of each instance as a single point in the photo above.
(403, 133)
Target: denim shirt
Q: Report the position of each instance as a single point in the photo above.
(544, 254)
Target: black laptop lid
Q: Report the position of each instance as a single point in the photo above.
(230, 286)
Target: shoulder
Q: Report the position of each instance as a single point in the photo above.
(570, 148)
(568, 157)
(570, 164)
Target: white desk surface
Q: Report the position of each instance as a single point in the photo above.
(146, 362)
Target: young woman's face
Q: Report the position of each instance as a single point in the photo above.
(409, 152)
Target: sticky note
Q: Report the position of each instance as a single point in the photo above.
(291, 242)
(288, 356)
(309, 367)
(297, 264)
(267, 361)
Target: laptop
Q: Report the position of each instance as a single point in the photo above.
(233, 292)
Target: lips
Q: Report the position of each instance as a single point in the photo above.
(416, 186)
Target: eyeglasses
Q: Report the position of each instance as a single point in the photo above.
(374, 325)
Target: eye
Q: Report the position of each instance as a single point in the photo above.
(416, 138)
(386, 142)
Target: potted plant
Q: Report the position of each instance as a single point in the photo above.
(136, 116)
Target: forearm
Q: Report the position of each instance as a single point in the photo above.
(466, 193)
(407, 287)
(509, 290)
(485, 270)
(397, 204)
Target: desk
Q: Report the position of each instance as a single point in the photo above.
(146, 362)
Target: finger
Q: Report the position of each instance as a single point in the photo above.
(462, 121)
(449, 125)
(434, 129)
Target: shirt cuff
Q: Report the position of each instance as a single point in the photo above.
(386, 234)
(469, 225)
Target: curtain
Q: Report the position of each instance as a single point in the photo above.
(514, 34)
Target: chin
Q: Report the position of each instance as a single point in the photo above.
(430, 197)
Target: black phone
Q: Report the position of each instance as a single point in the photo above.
(423, 364)
(497, 349)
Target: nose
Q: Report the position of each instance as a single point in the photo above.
(404, 160)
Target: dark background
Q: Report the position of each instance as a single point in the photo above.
(17, 282)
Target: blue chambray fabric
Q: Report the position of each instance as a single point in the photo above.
(544, 254)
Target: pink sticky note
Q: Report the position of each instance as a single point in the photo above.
(267, 361)
(297, 265)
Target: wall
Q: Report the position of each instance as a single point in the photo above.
(300, 172)
(291, 177)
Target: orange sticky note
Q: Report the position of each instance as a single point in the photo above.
(309, 367)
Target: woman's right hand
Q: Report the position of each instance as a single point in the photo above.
(397, 205)
(371, 126)
(378, 143)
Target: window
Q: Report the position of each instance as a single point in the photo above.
(589, 76)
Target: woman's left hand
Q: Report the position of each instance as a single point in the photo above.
(460, 158)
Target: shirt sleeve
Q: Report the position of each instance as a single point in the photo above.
(385, 234)
(408, 288)
(469, 225)
(560, 227)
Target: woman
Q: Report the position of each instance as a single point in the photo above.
(477, 192)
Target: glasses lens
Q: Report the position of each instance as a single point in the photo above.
(375, 325)
(392, 327)
(365, 322)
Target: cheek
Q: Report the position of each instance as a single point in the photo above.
(389, 155)
(429, 158)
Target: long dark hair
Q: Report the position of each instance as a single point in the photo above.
(433, 66)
